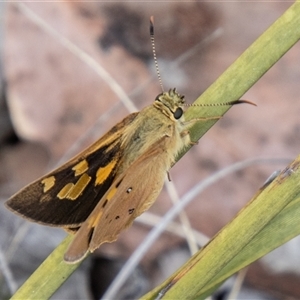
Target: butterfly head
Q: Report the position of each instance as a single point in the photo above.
(170, 103)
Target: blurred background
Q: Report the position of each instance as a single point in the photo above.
(53, 104)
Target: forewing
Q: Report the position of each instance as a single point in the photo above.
(68, 195)
(130, 194)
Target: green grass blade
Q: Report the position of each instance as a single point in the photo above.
(268, 221)
(49, 276)
(231, 85)
(247, 69)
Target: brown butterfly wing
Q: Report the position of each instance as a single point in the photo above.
(49, 207)
(130, 195)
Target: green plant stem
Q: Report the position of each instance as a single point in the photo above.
(269, 220)
(247, 69)
(48, 277)
(231, 85)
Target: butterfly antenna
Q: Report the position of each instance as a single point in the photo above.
(154, 52)
(234, 102)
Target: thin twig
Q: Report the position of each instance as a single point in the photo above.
(184, 220)
(150, 219)
(11, 283)
(238, 282)
(86, 58)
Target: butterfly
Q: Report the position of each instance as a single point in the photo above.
(100, 192)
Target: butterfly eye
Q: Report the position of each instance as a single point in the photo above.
(178, 113)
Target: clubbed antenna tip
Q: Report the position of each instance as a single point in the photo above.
(151, 26)
(154, 52)
(242, 101)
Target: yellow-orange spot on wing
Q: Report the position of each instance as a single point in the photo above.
(48, 183)
(94, 219)
(72, 191)
(79, 187)
(103, 172)
(81, 167)
(111, 193)
(63, 193)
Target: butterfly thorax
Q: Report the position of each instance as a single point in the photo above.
(163, 118)
(170, 104)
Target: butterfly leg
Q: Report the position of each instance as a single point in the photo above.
(191, 122)
(169, 176)
(188, 124)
